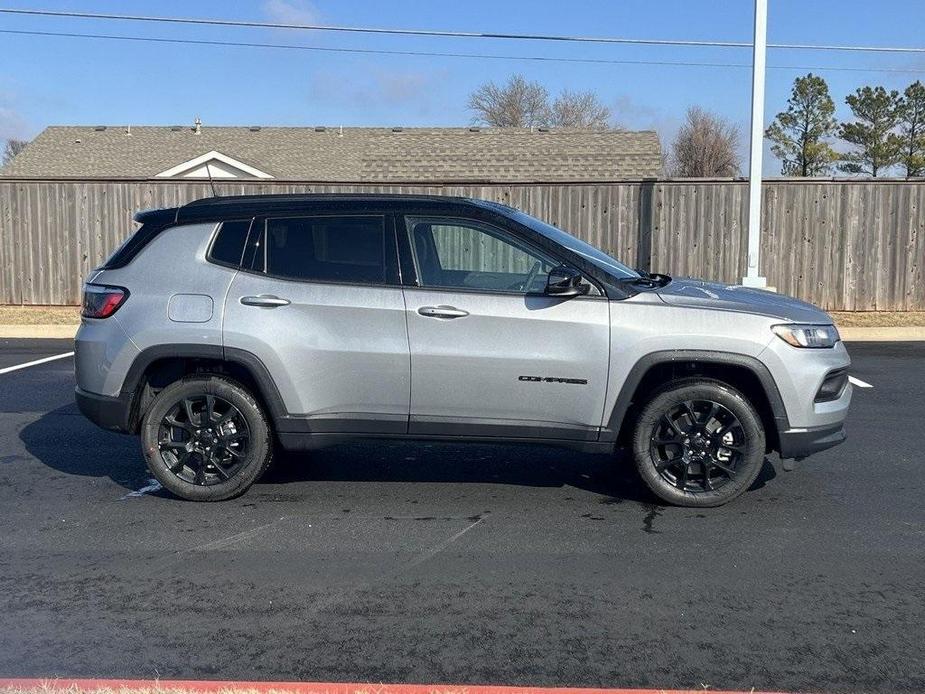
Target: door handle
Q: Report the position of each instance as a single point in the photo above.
(442, 312)
(265, 300)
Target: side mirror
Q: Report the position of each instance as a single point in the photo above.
(565, 281)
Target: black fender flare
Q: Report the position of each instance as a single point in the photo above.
(242, 358)
(713, 357)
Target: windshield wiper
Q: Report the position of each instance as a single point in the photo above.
(648, 279)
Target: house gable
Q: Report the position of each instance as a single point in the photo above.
(214, 164)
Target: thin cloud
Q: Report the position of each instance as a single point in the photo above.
(632, 115)
(13, 125)
(400, 87)
(408, 89)
(291, 11)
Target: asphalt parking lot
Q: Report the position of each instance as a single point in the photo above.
(479, 564)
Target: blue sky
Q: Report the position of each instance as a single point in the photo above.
(45, 81)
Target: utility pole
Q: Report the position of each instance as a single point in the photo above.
(759, 51)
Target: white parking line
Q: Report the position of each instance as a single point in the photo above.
(859, 383)
(8, 369)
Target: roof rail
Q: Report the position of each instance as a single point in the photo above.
(306, 197)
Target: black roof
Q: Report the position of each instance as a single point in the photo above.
(236, 206)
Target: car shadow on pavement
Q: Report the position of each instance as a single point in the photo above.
(63, 440)
(611, 476)
(463, 463)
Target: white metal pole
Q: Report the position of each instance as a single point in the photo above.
(752, 279)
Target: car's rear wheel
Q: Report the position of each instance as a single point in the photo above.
(698, 442)
(206, 439)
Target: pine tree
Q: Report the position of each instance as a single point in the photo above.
(878, 147)
(799, 133)
(912, 129)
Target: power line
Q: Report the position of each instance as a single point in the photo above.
(458, 34)
(431, 54)
(366, 51)
(371, 30)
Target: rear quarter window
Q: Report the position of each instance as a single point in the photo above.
(228, 247)
(133, 245)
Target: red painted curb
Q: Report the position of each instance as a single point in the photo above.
(335, 687)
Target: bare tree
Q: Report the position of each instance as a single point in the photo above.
(579, 110)
(706, 146)
(517, 104)
(523, 104)
(13, 147)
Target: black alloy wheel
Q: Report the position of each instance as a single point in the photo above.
(203, 439)
(698, 445)
(206, 438)
(698, 442)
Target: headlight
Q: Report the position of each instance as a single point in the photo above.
(812, 336)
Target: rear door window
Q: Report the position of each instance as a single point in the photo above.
(348, 249)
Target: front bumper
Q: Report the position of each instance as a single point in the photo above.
(799, 443)
(110, 413)
(815, 419)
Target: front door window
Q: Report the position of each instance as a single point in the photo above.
(465, 254)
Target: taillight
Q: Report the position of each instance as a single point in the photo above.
(101, 301)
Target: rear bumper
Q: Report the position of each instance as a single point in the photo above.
(111, 413)
(799, 443)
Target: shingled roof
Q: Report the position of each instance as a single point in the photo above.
(347, 154)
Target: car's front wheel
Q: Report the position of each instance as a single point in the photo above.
(206, 438)
(698, 442)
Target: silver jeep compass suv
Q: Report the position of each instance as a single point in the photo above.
(229, 326)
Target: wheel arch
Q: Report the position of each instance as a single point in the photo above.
(743, 372)
(158, 366)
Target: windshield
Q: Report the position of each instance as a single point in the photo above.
(585, 250)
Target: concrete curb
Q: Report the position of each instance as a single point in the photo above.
(906, 334)
(38, 331)
(217, 687)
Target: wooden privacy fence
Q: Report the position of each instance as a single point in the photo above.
(844, 245)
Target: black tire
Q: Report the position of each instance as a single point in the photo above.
(205, 438)
(690, 453)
